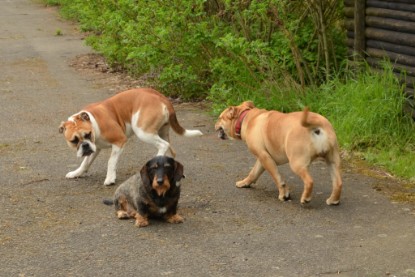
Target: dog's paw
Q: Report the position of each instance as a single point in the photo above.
(175, 219)
(122, 214)
(141, 223)
(286, 197)
(332, 202)
(73, 174)
(305, 200)
(242, 184)
(109, 182)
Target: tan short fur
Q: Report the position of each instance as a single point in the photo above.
(277, 138)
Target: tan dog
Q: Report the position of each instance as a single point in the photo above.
(145, 112)
(276, 138)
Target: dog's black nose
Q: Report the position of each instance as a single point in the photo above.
(160, 181)
(221, 134)
(86, 149)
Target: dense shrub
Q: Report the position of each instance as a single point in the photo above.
(225, 49)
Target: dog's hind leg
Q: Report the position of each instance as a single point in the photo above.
(148, 131)
(86, 163)
(333, 162)
(164, 134)
(121, 207)
(301, 169)
(155, 140)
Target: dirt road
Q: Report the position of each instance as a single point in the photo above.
(51, 226)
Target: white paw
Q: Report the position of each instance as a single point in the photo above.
(73, 174)
(109, 182)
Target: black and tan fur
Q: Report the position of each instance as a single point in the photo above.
(154, 192)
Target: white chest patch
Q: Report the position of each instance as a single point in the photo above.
(162, 210)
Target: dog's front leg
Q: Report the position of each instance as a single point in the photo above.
(252, 177)
(112, 165)
(141, 221)
(174, 219)
(86, 163)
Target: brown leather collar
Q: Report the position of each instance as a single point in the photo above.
(238, 125)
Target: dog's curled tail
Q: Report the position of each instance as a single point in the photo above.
(307, 122)
(179, 129)
(108, 202)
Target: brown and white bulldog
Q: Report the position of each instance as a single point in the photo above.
(277, 138)
(144, 112)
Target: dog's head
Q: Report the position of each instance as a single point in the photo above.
(226, 122)
(79, 134)
(161, 174)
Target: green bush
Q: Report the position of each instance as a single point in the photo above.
(197, 47)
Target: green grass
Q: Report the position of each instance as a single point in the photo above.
(367, 114)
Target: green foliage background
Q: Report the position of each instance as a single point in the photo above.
(281, 54)
(218, 48)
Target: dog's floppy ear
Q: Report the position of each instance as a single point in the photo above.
(231, 113)
(178, 171)
(62, 127)
(249, 104)
(144, 175)
(84, 116)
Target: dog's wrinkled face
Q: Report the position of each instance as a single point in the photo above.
(79, 134)
(162, 173)
(225, 125)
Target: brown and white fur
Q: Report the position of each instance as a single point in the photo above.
(277, 138)
(144, 112)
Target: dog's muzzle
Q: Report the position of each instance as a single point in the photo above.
(86, 149)
(222, 134)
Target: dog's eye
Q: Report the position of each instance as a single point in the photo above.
(154, 166)
(75, 141)
(167, 165)
(88, 136)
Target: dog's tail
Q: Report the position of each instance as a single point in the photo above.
(308, 122)
(108, 202)
(179, 129)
